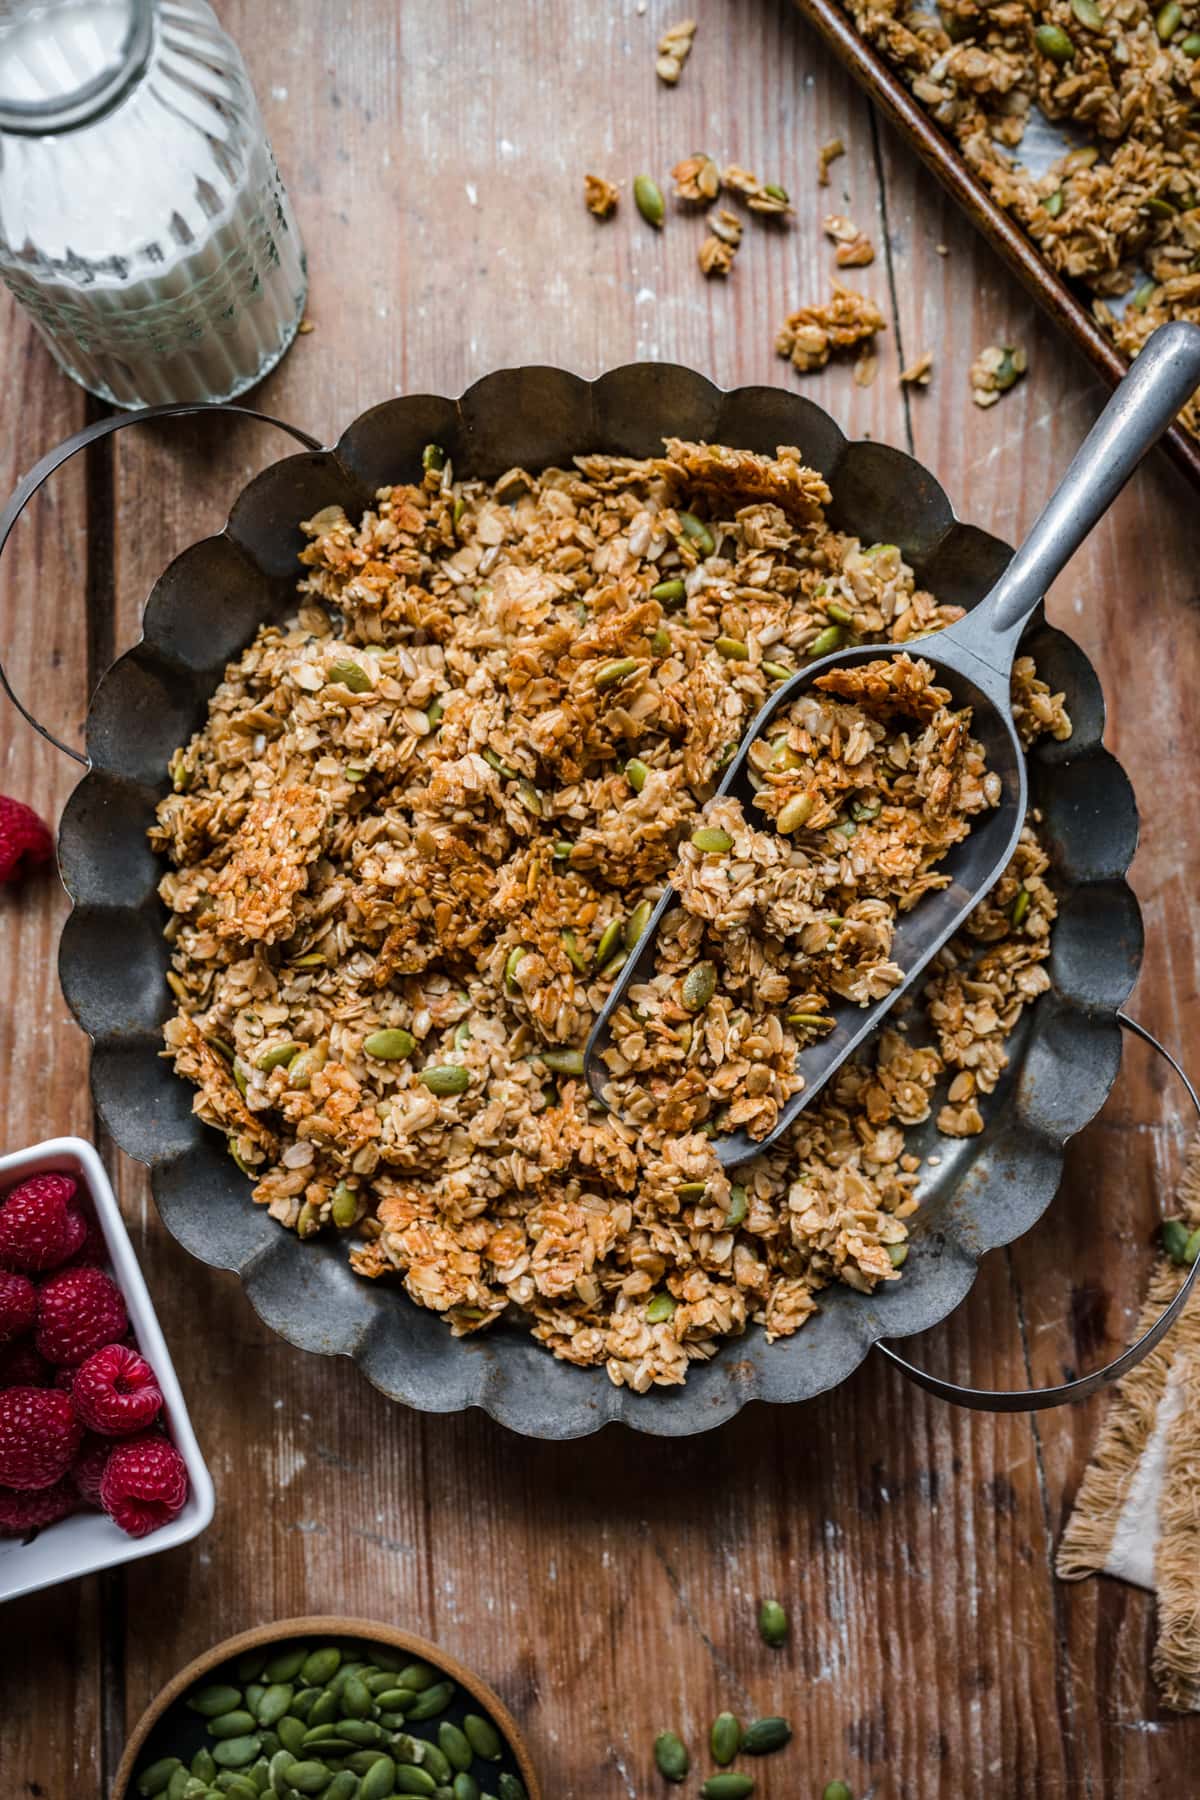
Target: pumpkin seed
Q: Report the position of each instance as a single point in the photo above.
(739, 1205)
(345, 1786)
(609, 939)
(1146, 290)
(1088, 14)
(154, 1779)
(794, 813)
(1053, 203)
(312, 959)
(636, 773)
(349, 674)
(1168, 21)
(432, 1757)
(610, 673)
(773, 189)
(732, 649)
(1020, 907)
(418, 1676)
(202, 1765)
(825, 641)
(669, 593)
(575, 956)
(660, 643)
(434, 1700)
(392, 1045)
(691, 1190)
(1175, 1239)
(498, 763)
(445, 1078)
(778, 671)
(563, 1062)
(836, 1790)
(670, 1756)
(302, 1068)
(808, 1020)
(433, 458)
(637, 922)
(766, 1735)
(483, 1737)
(563, 849)
(356, 1697)
(529, 797)
(649, 200)
(1191, 1250)
(309, 1777)
(182, 1783)
(324, 1709)
(276, 1056)
(515, 958)
(724, 1738)
(660, 1309)
(698, 532)
(1053, 42)
(236, 1752)
(712, 840)
(291, 1733)
(841, 615)
(698, 986)
(897, 1255)
(727, 1787)
(343, 1211)
(1158, 207)
(379, 1781)
(454, 1745)
(1191, 44)
(211, 1702)
(304, 1702)
(773, 1625)
(231, 1724)
(411, 1779)
(510, 1787)
(465, 1786)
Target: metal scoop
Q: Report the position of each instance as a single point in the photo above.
(973, 659)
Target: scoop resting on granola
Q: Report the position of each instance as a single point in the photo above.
(863, 786)
(427, 816)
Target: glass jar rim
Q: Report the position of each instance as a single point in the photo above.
(75, 106)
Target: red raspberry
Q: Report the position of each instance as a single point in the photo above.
(24, 840)
(144, 1484)
(39, 1228)
(39, 1435)
(21, 1513)
(116, 1392)
(93, 1252)
(18, 1306)
(88, 1469)
(21, 1366)
(78, 1311)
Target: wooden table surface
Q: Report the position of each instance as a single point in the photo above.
(435, 153)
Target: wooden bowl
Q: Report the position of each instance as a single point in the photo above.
(331, 1626)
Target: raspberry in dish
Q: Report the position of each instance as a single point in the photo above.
(21, 1366)
(116, 1392)
(18, 1306)
(40, 1227)
(23, 1512)
(144, 1485)
(39, 1437)
(79, 1310)
(87, 1471)
(25, 843)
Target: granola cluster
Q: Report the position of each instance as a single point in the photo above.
(424, 821)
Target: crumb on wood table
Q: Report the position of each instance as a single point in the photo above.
(995, 370)
(854, 248)
(918, 373)
(674, 48)
(600, 196)
(828, 153)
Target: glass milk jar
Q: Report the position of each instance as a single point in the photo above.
(143, 223)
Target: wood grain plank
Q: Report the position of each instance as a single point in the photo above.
(53, 1748)
(608, 1588)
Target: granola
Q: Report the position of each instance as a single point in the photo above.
(423, 816)
(600, 196)
(854, 248)
(810, 335)
(1118, 213)
(674, 48)
(994, 371)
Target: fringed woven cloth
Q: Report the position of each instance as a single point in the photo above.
(1137, 1513)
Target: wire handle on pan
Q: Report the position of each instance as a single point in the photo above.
(41, 471)
(1037, 1399)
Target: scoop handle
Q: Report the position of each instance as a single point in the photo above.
(1161, 379)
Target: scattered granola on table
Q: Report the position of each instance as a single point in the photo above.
(994, 371)
(760, 196)
(827, 154)
(811, 334)
(918, 373)
(674, 48)
(600, 196)
(421, 823)
(697, 178)
(1116, 211)
(866, 367)
(716, 255)
(854, 247)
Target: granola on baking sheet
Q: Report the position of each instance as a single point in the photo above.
(1119, 213)
(423, 819)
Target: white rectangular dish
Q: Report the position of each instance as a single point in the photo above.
(90, 1541)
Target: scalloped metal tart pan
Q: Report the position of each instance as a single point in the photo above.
(984, 1192)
